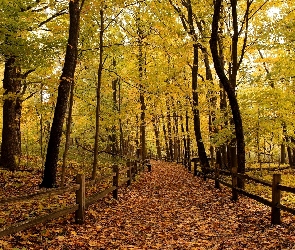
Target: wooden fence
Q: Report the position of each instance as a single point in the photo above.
(126, 175)
(275, 186)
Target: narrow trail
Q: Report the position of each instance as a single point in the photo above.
(169, 209)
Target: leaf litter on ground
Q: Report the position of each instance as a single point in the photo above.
(167, 208)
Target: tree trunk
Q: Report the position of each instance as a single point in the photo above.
(141, 62)
(115, 110)
(66, 79)
(169, 128)
(176, 138)
(212, 99)
(188, 140)
(98, 93)
(197, 124)
(283, 147)
(229, 89)
(166, 140)
(157, 136)
(68, 135)
(12, 106)
(289, 151)
(222, 94)
(184, 143)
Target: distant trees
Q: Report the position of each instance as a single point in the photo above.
(144, 73)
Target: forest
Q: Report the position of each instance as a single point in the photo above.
(141, 76)
(88, 84)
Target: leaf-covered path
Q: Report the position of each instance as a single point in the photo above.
(166, 209)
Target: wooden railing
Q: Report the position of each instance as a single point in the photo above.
(275, 185)
(119, 178)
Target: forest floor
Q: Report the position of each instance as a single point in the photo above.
(167, 208)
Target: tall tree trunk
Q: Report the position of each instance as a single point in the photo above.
(289, 151)
(12, 106)
(66, 79)
(68, 135)
(222, 95)
(184, 143)
(157, 136)
(188, 141)
(98, 93)
(283, 154)
(166, 140)
(212, 100)
(141, 62)
(169, 128)
(115, 110)
(283, 147)
(227, 84)
(197, 124)
(293, 152)
(122, 144)
(176, 137)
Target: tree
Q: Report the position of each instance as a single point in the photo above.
(66, 79)
(20, 50)
(188, 25)
(230, 84)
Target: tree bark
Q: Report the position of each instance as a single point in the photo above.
(283, 146)
(66, 79)
(98, 94)
(188, 140)
(12, 106)
(68, 135)
(184, 142)
(289, 152)
(141, 62)
(157, 136)
(197, 124)
(166, 140)
(169, 129)
(229, 90)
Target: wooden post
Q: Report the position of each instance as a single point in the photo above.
(276, 200)
(234, 184)
(132, 171)
(136, 167)
(217, 185)
(80, 199)
(115, 181)
(129, 173)
(195, 168)
(189, 165)
(149, 166)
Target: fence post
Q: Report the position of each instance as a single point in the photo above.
(217, 185)
(136, 167)
(115, 181)
(129, 172)
(189, 165)
(149, 166)
(276, 200)
(234, 183)
(195, 168)
(80, 199)
(132, 171)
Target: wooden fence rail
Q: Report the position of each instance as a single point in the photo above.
(275, 185)
(82, 203)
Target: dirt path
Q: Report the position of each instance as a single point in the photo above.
(165, 209)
